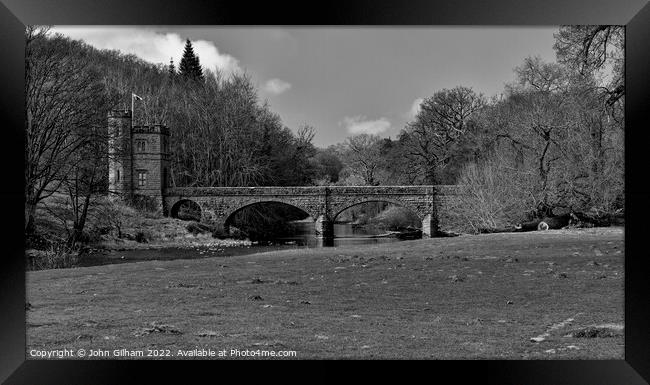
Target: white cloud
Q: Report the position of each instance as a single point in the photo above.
(362, 125)
(276, 86)
(152, 46)
(415, 108)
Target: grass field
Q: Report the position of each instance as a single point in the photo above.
(474, 297)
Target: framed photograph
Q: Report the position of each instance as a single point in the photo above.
(458, 184)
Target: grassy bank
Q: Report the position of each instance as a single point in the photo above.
(111, 225)
(480, 296)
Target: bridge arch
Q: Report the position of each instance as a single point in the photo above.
(186, 209)
(336, 211)
(228, 217)
(242, 204)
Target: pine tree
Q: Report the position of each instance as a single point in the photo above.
(198, 70)
(171, 68)
(190, 66)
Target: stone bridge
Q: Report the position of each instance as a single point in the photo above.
(323, 204)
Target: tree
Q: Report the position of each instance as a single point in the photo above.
(592, 48)
(442, 121)
(190, 67)
(171, 68)
(362, 157)
(555, 138)
(87, 179)
(328, 166)
(66, 102)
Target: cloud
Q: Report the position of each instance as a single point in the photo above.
(276, 86)
(415, 108)
(361, 125)
(152, 46)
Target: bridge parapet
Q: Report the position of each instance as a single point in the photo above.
(303, 190)
(242, 191)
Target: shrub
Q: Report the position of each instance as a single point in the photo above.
(395, 218)
(143, 236)
(199, 228)
(147, 205)
(57, 256)
(112, 216)
(494, 196)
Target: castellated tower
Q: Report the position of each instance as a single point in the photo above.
(138, 160)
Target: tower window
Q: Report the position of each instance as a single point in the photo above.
(140, 145)
(117, 176)
(142, 178)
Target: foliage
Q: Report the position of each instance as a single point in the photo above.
(56, 256)
(496, 195)
(328, 166)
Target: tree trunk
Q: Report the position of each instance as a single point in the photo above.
(30, 211)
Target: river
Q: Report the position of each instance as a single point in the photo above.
(305, 237)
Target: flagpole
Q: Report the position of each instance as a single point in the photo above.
(132, 109)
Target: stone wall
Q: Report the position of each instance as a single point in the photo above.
(153, 160)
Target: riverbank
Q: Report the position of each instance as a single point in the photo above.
(538, 295)
(174, 241)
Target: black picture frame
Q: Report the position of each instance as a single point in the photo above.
(634, 14)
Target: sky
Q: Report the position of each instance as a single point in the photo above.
(341, 81)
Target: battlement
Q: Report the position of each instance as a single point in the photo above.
(151, 129)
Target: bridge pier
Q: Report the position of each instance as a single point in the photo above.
(429, 226)
(324, 228)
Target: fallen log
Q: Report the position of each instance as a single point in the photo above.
(527, 226)
(573, 219)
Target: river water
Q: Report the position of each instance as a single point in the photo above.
(305, 237)
(344, 234)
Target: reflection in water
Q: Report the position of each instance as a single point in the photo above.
(344, 234)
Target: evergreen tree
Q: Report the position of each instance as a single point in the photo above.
(190, 67)
(171, 68)
(198, 70)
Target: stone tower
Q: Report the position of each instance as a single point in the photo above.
(138, 160)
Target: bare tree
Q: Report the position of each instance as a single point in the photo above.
(362, 156)
(592, 48)
(553, 124)
(442, 121)
(65, 100)
(87, 179)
